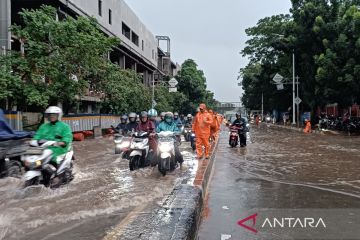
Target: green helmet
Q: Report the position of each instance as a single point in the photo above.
(152, 113)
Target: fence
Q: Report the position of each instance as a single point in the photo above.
(78, 123)
(14, 119)
(85, 122)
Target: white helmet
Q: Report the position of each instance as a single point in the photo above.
(54, 110)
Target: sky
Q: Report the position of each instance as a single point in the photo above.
(211, 32)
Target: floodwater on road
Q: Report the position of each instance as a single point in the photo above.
(279, 169)
(101, 195)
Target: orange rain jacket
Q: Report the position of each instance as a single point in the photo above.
(201, 124)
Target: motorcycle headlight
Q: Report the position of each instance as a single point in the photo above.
(165, 148)
(32, 165)
(125, 144)
(193, 134)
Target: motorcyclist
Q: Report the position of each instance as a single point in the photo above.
(201, 128)
(132, 125)
(241, 124)
(123, 123)
(152, 113)
(162, 117)
(182, 118)
(189, 120)
(147, 126)
(177, 120)
(169, 125)
(54, 130)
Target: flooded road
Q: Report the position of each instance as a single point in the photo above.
(97, 204)
(280, 169)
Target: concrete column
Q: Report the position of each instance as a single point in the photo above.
(122, 61)
(5, 22)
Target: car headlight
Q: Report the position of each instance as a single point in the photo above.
(165, 148)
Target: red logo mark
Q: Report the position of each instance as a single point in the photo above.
(253, 217)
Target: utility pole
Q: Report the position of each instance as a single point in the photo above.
(153, 93)
(262, 106)
(293, 119)
(297, 105)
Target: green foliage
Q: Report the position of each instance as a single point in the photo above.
(124, 91)
(324, 35)
(59, 55)
(192, 83)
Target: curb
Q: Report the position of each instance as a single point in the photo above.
(178, 215)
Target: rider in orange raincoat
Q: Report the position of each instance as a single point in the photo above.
(201, 127)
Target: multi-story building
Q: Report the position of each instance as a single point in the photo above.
(139, 48)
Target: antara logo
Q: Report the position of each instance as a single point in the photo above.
(287, 222)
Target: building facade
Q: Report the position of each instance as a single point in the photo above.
(139, 48)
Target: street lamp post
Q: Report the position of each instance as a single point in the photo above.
(293, 56)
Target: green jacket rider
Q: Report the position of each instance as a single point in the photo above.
(55, 130)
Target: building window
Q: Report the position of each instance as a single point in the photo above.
(153, 54)
(109, 16)
(142, 45)
(100, 7)
(135, 38)
(126, 30)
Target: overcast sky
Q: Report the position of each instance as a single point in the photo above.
(210, 32)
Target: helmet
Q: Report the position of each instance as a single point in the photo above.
(176, 114)
(152, 113)
(143, 114)
(124, 117)
(189, 115)
(169, 116)
(54, 110)
(238, 114)
(132, 117)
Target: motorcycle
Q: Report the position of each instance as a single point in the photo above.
(40, 170)
(122, 142)
(193, 141)
(166, 151)
(139, 150)
(187, 132)
(234, 136)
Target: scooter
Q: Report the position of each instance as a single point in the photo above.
(187, 133)
(139, 150)
(40, 170)
(122, 142)
(166, 151)
(234, 136)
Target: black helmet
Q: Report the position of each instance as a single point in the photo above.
(238, 114)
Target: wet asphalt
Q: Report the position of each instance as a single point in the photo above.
(280, 169)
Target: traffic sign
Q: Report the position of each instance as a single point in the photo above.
(172, 89)
(280, 86)
(278, 78)
(298, 100)
(173, 82)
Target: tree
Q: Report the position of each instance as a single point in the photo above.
(192, 83)
(59, 55)
(124, 91)
(324, 35)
